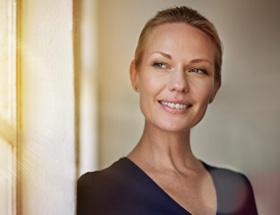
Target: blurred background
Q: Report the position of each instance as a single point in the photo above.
(67, 105)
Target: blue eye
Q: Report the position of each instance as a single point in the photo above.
(159, 65)
(199, 71)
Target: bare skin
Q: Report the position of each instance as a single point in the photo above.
(169, 162)
(177, 68)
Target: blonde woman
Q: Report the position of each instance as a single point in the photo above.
(177, 73)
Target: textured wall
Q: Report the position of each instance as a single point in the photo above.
(48, 127)
(241, 127)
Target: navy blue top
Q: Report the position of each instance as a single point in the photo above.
(124, 189)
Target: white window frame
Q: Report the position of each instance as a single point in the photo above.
(9, 127)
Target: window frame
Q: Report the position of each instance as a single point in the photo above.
(10, 126)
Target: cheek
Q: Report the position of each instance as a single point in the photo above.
(150, 87)
(203, 92)
(145, 92)
(150, 84)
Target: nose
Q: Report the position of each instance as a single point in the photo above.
(178, 81)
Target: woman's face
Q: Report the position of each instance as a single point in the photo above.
(176, 77)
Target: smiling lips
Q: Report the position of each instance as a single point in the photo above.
(175, 105)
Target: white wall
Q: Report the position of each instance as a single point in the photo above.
(241, 128)
(88, 137)
(47, 146)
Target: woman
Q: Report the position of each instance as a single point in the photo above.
(177, 73)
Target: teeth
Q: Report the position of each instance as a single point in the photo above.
(173, 105)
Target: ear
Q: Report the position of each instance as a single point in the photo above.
(134, 76)
(215, 90)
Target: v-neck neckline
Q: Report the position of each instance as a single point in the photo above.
(206, 166)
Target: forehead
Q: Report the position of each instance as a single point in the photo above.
(180, 40)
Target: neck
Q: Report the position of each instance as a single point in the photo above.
(161, 149)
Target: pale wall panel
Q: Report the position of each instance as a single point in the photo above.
(48, 171)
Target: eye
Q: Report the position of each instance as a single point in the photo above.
(199, 71)
(159, 65)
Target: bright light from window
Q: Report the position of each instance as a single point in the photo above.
(7, 106)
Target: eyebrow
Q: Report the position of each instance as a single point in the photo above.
(199, 60)
(163, 54)
(192, 61)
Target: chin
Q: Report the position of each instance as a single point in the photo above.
(174, 127)
(178, 126)
(179, 123)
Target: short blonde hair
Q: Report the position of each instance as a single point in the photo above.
(181, 15)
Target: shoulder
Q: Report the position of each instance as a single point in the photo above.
(226, 177)
(234, 191)
(96, 190)
(101, 192)
(106, 179)
(117, 173)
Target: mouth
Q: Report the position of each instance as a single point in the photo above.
(175, 105)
